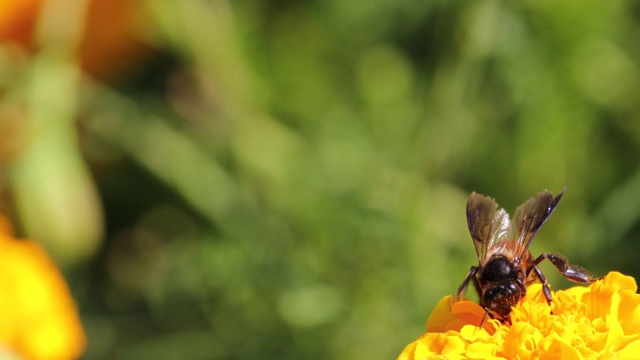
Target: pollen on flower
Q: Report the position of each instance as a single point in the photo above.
(597, 321)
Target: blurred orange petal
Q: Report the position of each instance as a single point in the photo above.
(109, 44)
(17, 19)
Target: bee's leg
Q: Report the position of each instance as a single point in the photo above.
(570, 272)
(545, 286)
(484, 317)
(471, 275)
(476, 285)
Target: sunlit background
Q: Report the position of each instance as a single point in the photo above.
(281, 179)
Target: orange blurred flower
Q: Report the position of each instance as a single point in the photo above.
(599, 321)
(40, 319)
(109, 44)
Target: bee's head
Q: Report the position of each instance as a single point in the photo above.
(500, 298)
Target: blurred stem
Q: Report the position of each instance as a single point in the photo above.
(169, 155)
(55, 195)
(205, 32)
(61, 24)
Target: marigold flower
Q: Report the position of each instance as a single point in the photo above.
(601, 321)
(39, 319)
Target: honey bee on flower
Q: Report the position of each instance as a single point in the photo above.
(506, 266)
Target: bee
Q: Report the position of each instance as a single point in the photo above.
(505, 264)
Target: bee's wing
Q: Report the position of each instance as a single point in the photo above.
(488, 225)
(530, 216)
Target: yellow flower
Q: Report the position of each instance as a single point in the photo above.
(601, 321)
(38, 318)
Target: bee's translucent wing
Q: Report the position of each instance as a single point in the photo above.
(530, 216)
(488, 225)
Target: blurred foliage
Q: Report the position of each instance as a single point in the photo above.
(287, 180)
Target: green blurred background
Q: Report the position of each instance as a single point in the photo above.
(287, 179)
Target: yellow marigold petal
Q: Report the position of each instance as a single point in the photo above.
(601, 321)
(482, 350)
(439, 344)
(521, 341)
(630, 310)
(615, 336)
(409, 351)
(534, 294)
(454, 346)
(629, 351)
(569, 301)
(42, 322)
(601, 301)
(563, 350)
(621, 281)
(472, 333)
